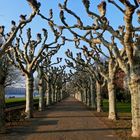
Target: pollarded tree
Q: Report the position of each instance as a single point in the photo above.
(41, 88)
(130, 41)
(59, 83)
(43, 78)
(54, 73)
(92, 69)
(62, 82)
(5, 42)
(107, 70)
(7, 39)
(95, 52)
(128, 37)
(81, 80)
(27, 60)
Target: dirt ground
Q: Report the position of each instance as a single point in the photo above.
(67, 120)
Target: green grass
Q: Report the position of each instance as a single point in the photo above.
(13, 100)
(121, 107)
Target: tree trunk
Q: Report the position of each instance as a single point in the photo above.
(54, 90)
(82, 96)
(134, 86)
(61, 94)
(59, 90)
(50, 94)
(99, 97)
(86, 99)
(92, 95)
(89, 97)
(132, 48)
(57, 94)
(47, 97)
(2, 108)
(111, 91)
(41, 95)
(112, 100)
(29, 95)
(47, 94)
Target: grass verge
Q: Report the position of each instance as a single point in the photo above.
(121, 107)
(13, 100)
(122, 126)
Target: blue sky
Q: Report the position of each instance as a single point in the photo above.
(11, 9)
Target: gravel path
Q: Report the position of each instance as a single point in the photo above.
(67, 120)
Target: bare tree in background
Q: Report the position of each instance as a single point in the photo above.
(92, 69)
(43, 79)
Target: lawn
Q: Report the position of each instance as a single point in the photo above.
(121, 107)
(122, 126)
(13, 100)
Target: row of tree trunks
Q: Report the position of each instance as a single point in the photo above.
(54, 94)
(91, 97)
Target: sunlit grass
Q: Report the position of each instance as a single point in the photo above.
(15, 100)
(12, 100)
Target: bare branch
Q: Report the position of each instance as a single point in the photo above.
(8, 42)
(114, 3)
